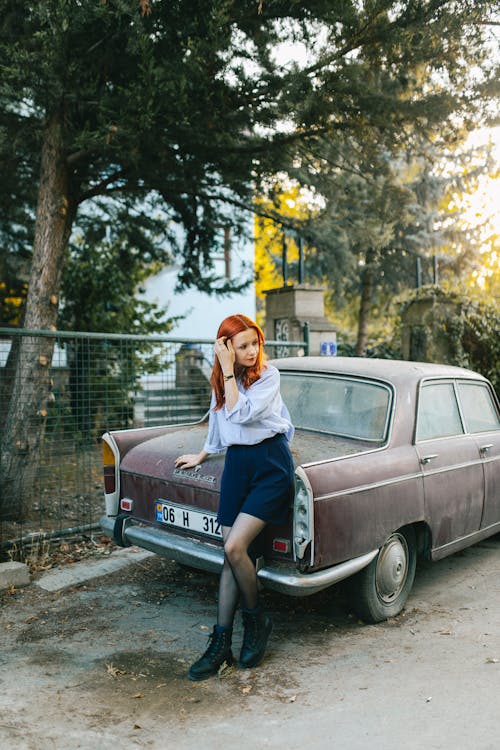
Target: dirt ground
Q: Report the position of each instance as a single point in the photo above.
(103, 665)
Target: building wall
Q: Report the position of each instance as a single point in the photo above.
(204, 312)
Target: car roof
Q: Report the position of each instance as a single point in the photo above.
(390, 370)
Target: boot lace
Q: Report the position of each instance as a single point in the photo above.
(216, 644)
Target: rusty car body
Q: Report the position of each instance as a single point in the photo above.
(393, 460)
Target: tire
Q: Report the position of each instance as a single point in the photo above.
(380, 590)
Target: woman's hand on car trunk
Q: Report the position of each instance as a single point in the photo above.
(190, 460)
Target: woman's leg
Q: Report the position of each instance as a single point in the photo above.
(236, 543)
(219, 642)
(229, 592)
(238, 578)
(257, 625)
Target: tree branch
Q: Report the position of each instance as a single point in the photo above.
(77, 156)
(102, 187)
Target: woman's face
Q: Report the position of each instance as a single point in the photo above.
(246, 347)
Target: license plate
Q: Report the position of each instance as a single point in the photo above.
(188, 519)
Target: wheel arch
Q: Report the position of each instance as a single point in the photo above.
(424, 539)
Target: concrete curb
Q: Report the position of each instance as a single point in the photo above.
(73, 574)
(14, 574)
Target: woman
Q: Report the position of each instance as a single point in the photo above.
(248, 418)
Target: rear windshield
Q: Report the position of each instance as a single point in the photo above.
(339, 406)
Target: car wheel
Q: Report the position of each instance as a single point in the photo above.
(380, 590)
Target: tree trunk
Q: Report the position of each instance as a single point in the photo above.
(30, 385)
(367, 281)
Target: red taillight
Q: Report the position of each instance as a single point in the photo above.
(281, 545)
(126, 504)
(109, 479)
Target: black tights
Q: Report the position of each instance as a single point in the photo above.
(238, 577)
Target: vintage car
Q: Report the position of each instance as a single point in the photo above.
(394, 460)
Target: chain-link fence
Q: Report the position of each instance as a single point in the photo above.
(60, 391)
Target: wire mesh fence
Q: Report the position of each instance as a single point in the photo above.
(60, 391)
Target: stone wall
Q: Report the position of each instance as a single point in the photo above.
(425, 330)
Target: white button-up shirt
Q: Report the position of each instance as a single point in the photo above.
(258, 414)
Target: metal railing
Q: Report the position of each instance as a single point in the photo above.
(59, 391)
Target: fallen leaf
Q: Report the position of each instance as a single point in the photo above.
(138, 695)
(31, 618)
(224, 667)
(246, 690)
(137, 726)
(492, 660)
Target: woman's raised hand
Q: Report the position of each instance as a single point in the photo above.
(225, 354)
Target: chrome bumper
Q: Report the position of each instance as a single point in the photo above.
(207, 556)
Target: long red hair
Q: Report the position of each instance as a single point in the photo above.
(230, 327)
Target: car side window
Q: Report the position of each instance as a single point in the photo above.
(438, 413)
(478, 407)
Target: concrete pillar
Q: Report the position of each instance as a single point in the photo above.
(288, 308)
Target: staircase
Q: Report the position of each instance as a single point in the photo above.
(155, 406)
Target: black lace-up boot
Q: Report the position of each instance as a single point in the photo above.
(218, 652)
(257, 629)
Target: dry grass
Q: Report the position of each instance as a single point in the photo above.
(42, 553)
(36, 556)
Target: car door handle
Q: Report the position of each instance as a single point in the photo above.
(426, 459)
(483, 450)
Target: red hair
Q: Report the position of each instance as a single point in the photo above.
(230, 327)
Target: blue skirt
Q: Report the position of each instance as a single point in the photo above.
(258, 480)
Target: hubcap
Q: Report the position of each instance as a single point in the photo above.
(392, 568)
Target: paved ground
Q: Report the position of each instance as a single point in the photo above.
(102, 664)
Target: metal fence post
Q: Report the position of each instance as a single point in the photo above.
(306, 338)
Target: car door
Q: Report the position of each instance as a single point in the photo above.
(450, 463)
(482, 420)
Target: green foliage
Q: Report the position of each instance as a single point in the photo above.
(12, 295)
(469, 328)
(387, 217)
(107, 264)
(100, 293)
(480, 340)
(190, 102)
(143, 107)
(380, 350)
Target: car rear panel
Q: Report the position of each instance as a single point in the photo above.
(150, 479)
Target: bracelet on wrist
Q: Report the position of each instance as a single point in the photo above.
(227, 377)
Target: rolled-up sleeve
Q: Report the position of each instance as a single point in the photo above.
(259, 401)
(213, 443)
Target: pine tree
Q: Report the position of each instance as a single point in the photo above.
(189, 101)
